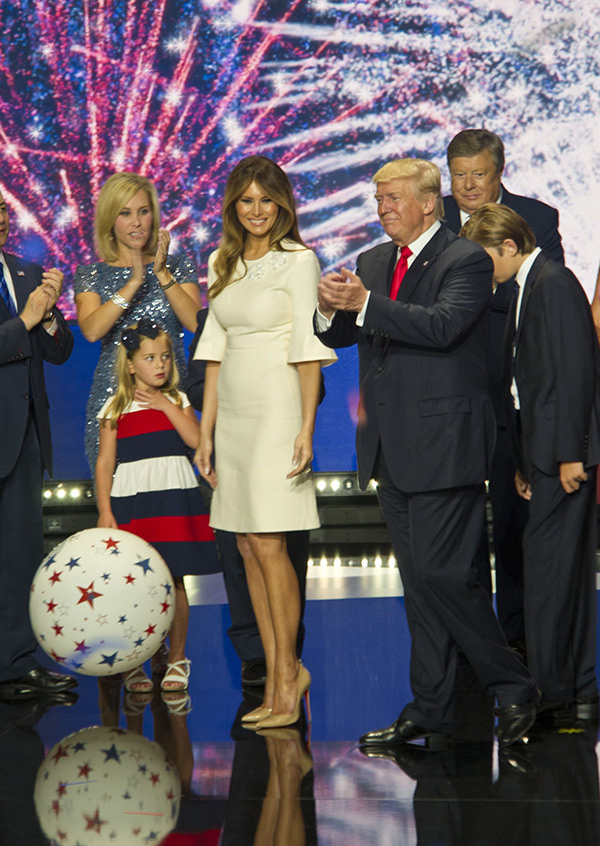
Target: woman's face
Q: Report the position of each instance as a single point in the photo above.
(133, 226)
(256, 211)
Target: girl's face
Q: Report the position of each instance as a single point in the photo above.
(133, 226)
(151, 364)
(256, 211)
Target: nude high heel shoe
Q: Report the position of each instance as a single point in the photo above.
(258, 714)
(281, 720)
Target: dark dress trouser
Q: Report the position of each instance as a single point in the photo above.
(435, 536)
(21, 553)
(560, 587)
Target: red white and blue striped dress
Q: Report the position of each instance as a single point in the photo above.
(155, 492)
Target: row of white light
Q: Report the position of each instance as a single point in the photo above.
(61, 492)
(337, 483)
(364, 562)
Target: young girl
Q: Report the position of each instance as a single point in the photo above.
(146, 431)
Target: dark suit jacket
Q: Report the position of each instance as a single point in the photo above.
(542, 218)
(22, 355)
(423, 365)
(557, 370)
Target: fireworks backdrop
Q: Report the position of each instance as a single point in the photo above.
(179, 90)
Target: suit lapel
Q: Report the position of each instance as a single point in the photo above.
(19, 279)
(452, 214)
(383, 268)
(414, 273)
(529, 284)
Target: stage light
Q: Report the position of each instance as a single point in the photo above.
(335, 484)
(337, 561)
(391, 561)
(321, 485)
(364, 563)
(47, 493)
(323, 562)
(378, 561)
(74, 493)
(61, 493)
(310, 563)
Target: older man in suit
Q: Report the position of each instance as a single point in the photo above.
(476, 163)
(32, 330)
(417, 308)
(556, 389)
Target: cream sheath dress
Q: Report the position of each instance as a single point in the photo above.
(259, 327)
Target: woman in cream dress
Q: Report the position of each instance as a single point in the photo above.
(260, 400)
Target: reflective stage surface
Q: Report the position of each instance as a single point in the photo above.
(185, 772)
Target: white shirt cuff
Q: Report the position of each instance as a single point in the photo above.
(323, 323)
(360, 317)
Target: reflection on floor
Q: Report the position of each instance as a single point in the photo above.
(200, 779)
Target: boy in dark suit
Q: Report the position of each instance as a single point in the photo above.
(553, 358)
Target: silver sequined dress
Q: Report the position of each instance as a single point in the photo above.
(149, 301)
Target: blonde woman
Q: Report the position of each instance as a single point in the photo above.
(135, 278)
(260, 400)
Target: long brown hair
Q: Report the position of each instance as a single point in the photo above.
(275, 184)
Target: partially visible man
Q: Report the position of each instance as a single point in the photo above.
(553, 362)
(417, 308)
(476, 163)
(32, 330)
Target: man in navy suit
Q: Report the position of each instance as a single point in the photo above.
(476, 163)
(553, 369)
(418, 310)
(32, 330)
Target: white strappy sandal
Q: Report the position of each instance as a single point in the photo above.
(177, 676)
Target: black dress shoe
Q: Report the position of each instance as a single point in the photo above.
(514, 721)
(254, 672)
(404, 731)
(37, 682)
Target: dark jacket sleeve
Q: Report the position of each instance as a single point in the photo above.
(194, 384)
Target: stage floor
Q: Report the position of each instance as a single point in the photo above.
(241, 788)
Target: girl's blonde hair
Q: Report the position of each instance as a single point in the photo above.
(274, 182)
(114, 195)
(125, 380)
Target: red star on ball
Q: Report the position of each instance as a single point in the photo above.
(55, 577)
(57, 629)
(85, 771)
(51, 605)
(165, 607)
(88, 594)
(149, 630)
(61, 752)
(154, 778)
(111, 544)
(129, 580)
(58, 658)
(94, 823)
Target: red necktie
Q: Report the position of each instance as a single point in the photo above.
(399, 271)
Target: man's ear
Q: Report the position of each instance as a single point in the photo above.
(510, 247)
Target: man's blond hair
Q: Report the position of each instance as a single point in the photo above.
(425, 176)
